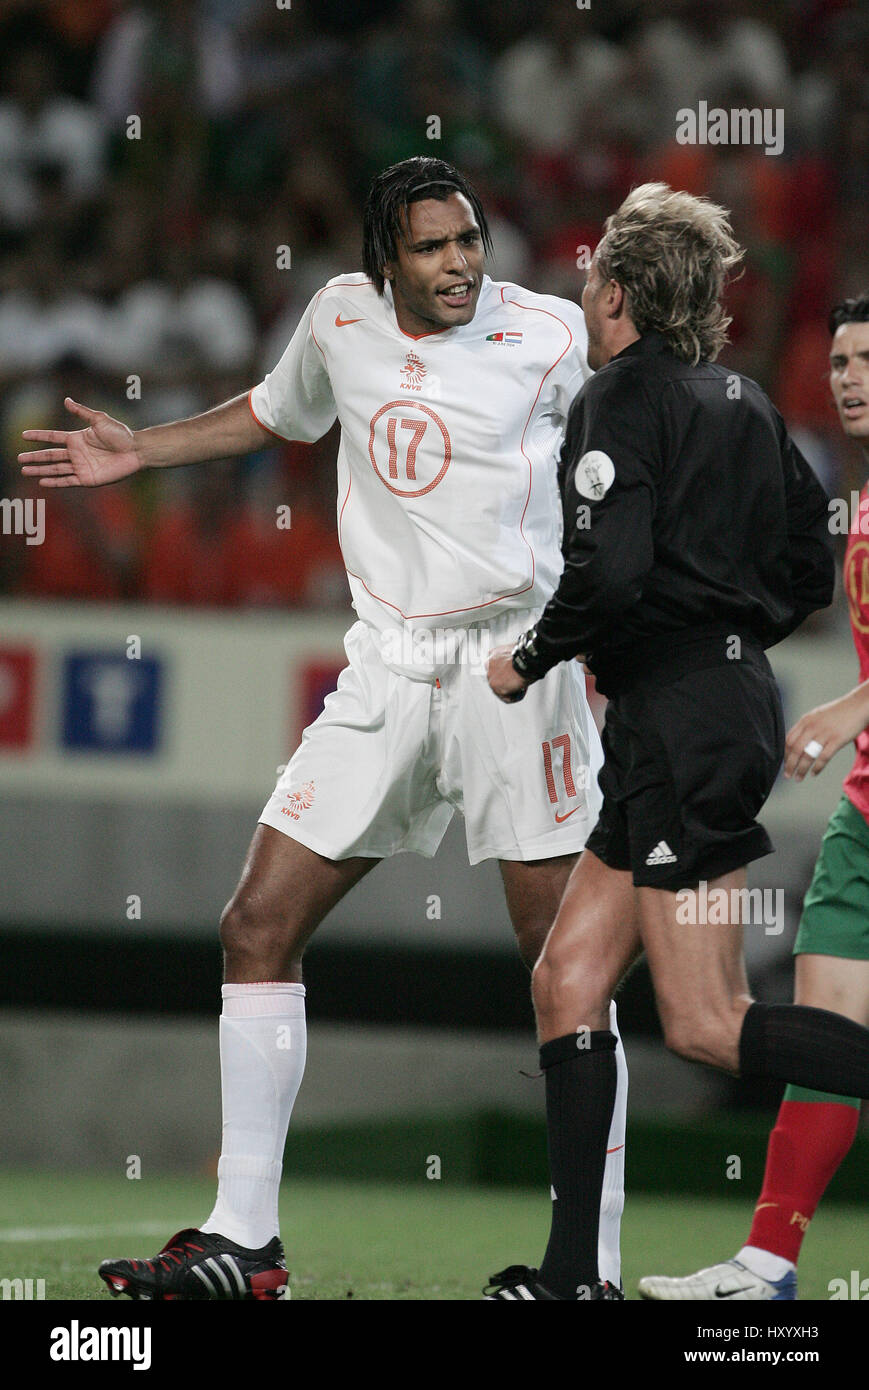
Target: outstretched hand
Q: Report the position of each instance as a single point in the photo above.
(819, 735)
(103, 452)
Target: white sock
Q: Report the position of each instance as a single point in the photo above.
(612, 1199)
(764, 1263)
(262, 1060)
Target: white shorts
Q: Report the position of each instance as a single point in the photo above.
(390, 759)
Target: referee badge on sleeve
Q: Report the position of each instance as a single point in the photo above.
(594, 475)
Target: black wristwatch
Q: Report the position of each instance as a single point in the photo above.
(526, 661)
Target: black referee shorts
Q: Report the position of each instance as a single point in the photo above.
(692, 750)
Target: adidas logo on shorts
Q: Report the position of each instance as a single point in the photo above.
(661, 854)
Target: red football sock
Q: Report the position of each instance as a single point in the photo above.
(810, 1139)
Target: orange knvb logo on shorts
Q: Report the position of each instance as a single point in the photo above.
(299, 801)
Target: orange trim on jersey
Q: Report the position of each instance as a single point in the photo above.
(533, 308)
(288, 438)
(341, 513)
(282, 437)
(432, 333)
(447, 612)
(363, 285)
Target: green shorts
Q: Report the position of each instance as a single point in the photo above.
(835, 920)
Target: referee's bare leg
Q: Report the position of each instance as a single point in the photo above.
(594, 939)
(698, 970)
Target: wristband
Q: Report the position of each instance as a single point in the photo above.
(527, 662)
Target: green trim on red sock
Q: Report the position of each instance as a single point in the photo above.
(803, 1093)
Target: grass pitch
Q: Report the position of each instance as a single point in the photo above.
(374, 1241)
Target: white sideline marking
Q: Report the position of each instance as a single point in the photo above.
(133, 1228)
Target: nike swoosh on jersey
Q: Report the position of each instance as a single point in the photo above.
(567, 814)
(342, 323)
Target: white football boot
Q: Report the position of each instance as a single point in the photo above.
(725, 1282)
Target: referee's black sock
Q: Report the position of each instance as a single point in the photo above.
(806, 1046)
(580, 1098)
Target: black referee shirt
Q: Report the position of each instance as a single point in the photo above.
(688, 511)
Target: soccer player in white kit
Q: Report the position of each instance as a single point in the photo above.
(452, 392)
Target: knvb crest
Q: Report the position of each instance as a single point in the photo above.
(412, 372)
(299, 801)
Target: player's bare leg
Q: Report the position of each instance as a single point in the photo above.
(534, 890)
(284, 892)
(834, 983)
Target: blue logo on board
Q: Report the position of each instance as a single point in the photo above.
(110, 703)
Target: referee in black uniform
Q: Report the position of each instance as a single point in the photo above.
(695, 536)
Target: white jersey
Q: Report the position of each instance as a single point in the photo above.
(448, 503)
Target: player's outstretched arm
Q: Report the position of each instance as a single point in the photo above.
(827, 728)
(106, 450)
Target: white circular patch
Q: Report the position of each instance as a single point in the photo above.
(594, 475)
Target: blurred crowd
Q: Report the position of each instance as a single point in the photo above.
(178, 177)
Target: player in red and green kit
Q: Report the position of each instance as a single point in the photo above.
(814, 1129)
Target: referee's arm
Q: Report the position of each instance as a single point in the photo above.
(812, 567)
(610, 469)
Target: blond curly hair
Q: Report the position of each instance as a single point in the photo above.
(672, 253)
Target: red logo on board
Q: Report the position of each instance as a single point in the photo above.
(17, 669)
